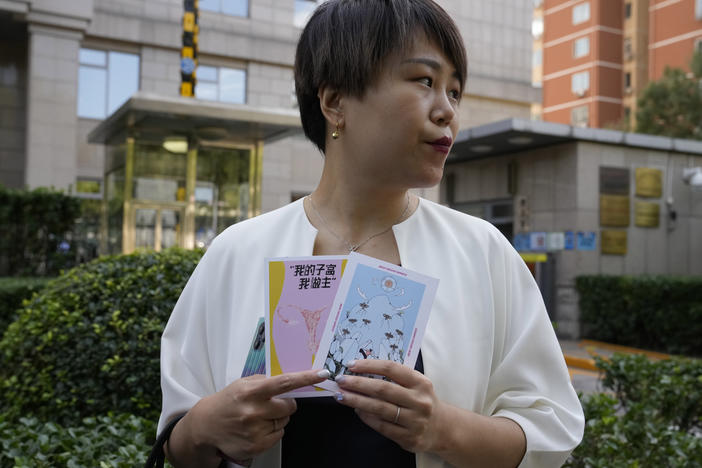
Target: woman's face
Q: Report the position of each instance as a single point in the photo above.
(400, 132)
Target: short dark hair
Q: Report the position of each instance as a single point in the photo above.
(346, 42)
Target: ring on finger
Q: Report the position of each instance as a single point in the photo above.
(397, 416)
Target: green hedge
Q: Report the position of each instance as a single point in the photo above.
(121, 441)
(34, 223)
(89, 342)
(651, 418)
(652, 312)
(12, 292)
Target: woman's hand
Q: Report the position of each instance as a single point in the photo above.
(239, 422)
(405, 410)
(408, 411)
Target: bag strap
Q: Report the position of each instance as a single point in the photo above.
(157, 456)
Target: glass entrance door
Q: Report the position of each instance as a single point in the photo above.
(157, 227)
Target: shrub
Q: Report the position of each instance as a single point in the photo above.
(89, 343)
(651, 419)
(121, 441)
(651, 312)
(672, 387)
(34, 225)
(12, 292)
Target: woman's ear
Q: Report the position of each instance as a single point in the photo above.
(331, 104)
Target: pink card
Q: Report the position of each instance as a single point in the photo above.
(299, 294)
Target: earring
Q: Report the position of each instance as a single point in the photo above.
(336, 133)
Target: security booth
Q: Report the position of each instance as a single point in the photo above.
(178, 171)
(576, 201)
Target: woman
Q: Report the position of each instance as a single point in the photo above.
(379, 83)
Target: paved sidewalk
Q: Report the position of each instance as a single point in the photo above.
(579, 356)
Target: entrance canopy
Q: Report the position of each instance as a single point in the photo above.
(179, 170)
(152, 117)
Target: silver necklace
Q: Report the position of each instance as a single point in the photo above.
(354, 247)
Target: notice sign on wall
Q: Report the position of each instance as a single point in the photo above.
(614, 210)
(555, 241)
(586, 240)
(614, 196)
(649, 182)
(614, 180)
(647, 214)
(614, 242)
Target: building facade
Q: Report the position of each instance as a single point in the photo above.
(582, 70)
(66, 66)
(599, 54)
(634, 56)
(579, 201)
(675, 32)
(537, 60)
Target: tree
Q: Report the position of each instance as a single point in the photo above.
(672, 106)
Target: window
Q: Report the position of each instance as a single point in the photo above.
(221, 84)
(698, 9)
(537, 57)
(628, 49)
(627, 113)
(627, 81)
(627, 10)
(228, 7)
(105, 81)
(581, 47)
(580, 83)
(537, 27)
(303, 11)
(580, 116)
(87, 187)
(581, 13)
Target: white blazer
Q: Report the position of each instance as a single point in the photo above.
(489, 346)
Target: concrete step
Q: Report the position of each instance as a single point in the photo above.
(579, 354)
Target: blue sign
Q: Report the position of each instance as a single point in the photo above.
(187, 65)
(586, 240)
(521, 242)
(569, 240)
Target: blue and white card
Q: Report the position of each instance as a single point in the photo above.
(380, 311)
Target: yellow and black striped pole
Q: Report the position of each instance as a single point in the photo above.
(188, 53)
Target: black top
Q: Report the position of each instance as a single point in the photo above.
(324, 433)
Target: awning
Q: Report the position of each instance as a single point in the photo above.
(152, 117)
(520, 135)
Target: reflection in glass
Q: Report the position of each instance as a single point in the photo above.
(209, 5)
(235, 7)
(145, 228)
(170, 228)
(123, 79)
(221, 191)
(207, 91)
(92, 83)
(303, 11)
(232, 85)
(205, 73)
(114, 187)
(91, 57)
(105, 81)
(221, 84)
(159, 175)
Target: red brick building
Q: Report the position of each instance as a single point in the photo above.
(675, 32)
(582, 61)
(599, 54)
